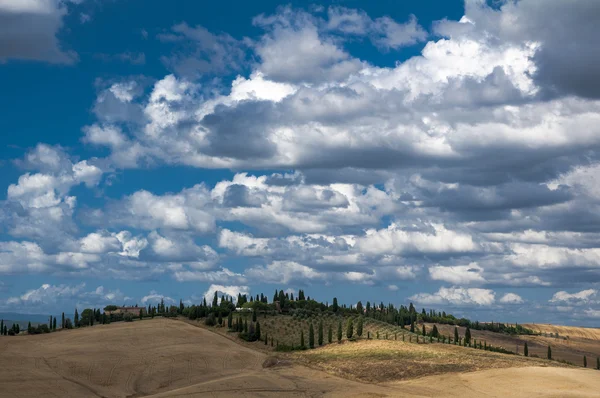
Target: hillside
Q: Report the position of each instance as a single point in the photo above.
(170, 358)
(565, 331)
(570, 349)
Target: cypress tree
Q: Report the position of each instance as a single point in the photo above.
(301, 339)
(330, 334)
(598, 363)
(335, 305)
(424, 331)
(584, 361)
(455, 334)
(230, 320)
(254, 316)
(62, 321)
(467, 336)
(549, 352)
(412, 326)
(434, 332)
(1, 326)
(339, 332)
(141, 315)
(220, 319)
(54, 324)
(266, 338)
(359, 327)
(349, 328)
(50, 323)
(320, 332)
(311, 336)
(29, 329)
(257, 331)
(215, 301)
(245, 326)
(526, 350)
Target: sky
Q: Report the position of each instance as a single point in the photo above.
(444, 153)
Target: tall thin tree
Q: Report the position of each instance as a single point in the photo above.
(320, 335)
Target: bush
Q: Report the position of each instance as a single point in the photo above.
(210, 320)
(128, 317)
(68, 324)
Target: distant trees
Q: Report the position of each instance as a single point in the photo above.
(359, 326)
(526, 350)
(349, 328)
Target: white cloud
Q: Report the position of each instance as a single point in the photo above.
(511, 298)
(154, 298)
(457, 296)
(394, 240)
(459, 274)
(232, 291)
(583, 296)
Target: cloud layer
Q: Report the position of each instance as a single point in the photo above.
(467, 170)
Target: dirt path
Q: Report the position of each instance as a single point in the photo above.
(165, 358)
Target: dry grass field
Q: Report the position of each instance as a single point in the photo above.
(571, 345)
(170, 358)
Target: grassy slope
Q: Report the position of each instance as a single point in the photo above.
(386, 361)
(572, 349)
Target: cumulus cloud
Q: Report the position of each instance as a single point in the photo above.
(511, 298)
(460, 274)
(583, 296)
(231, 291)
(154, 298)
(457, 296)
(472, 164)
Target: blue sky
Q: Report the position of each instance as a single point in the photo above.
(439, 152)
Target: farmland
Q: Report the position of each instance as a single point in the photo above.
(175, 358)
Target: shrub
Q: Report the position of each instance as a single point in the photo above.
(210, 320)
(128, 317)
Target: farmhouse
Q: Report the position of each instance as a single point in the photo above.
(135, 311)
